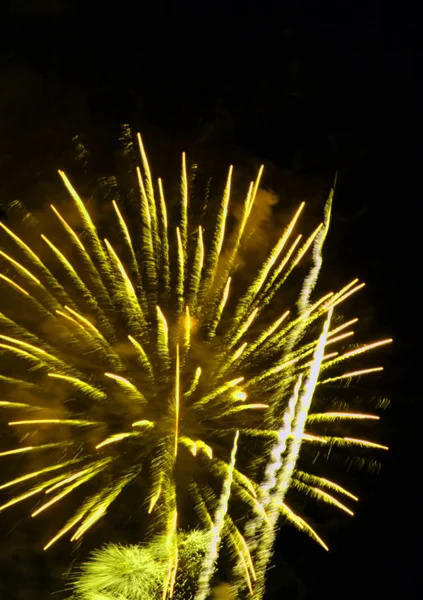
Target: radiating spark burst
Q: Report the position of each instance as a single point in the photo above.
(140, 351)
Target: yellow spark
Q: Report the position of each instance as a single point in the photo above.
(143, 423)
(68, 228)
(341, 298)
(177, 392)
(163, 204)
(18, 450)
(322, 482)
(123, 225)
(220, 308)
(143, 356)
(83, 211)
(117, 437)
(361, 350)
(24, 345)
(36, 473)
(338, 338)
(84, 320)
(365, 443)
(121, 268)
(20, 268)
(220, 227)
(331, 500)
(154, 499)
(84, 387)
(239, 395)
(78, 422)
(341, 327)
(21, 498)
(22, 245)
(31, 448)
(194, 383)
(15, 285)
(145, 203)
(181, 275)
(245, 407)
(314, 438)
(85, 476)
(184, 203)
(62, 532)
(333, 416)
(301, 524)
(88, 523)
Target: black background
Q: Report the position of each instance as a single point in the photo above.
(306, 88)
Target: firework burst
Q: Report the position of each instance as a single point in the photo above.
(141, 360)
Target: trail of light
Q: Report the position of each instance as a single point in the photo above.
(127, 238)
(32, 448)
(29, 494)
(37, 473)
(302, 525)
(129, 298)
(266, 334)
(196, 271)
(63, 531)
(149, 186)
(82, 385)
(289, 460)
(273, 467)
(268, 293)
(181, 276)
(105, 501)
(220, 390)
(96, 469)
(323, 482)
(143, 423)
(311, 279)
(331, 500)
(127, 386)
(365, 443)
(23, 353)
(221, 222)
(184, 203)
(358, 351)
(154, 499)
(162, 336)
(68, 228)
(177, 400)
(5, 404)
(208, 566)
(77, 422)
(116, 437)
(341, 327)
(164, 240)
(333, 416)
(21, 269)
(351, 374)
(24, 247)
(88, 224)
(15, 285)
(220, 308)
(218, 237)
(194, 383)
(145, 362)
(259, 281)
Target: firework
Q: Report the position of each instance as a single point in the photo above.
(138, 572)
(143, 359)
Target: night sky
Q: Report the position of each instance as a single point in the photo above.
(305, 90)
